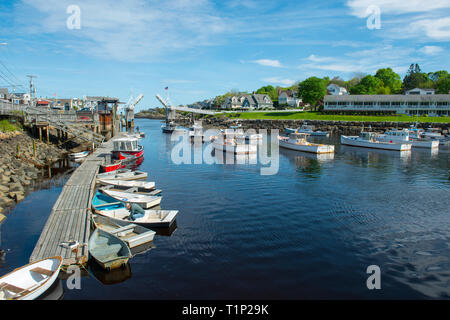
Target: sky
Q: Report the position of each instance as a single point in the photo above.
(202, 48)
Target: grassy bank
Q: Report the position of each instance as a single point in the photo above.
(6, 126)
(328, 117)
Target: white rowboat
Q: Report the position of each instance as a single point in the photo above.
(108, 250)
(128, 183)
(145, 201)
(31, 280)
(126, 175)
(132, 234)
(152, 218)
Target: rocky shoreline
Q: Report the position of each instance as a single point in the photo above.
(19, 168)
(334, 127)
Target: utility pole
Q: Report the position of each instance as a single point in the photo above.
(31, 87)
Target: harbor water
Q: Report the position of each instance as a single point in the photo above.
(310, 231)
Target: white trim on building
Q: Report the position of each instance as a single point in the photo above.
(429, 104)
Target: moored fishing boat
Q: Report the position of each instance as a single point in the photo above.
(230, 141)
(108, 250)
(30, 281)
(368, 140)
(403, 136)
(310, 130)
(297, 141)
(114, 166)
(128, 146)
(132, 234)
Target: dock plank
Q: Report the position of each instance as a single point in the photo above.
(70, 216)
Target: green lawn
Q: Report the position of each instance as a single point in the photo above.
(316, 116)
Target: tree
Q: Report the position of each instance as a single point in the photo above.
(338, 81)
(368, 85)
(312, 90)
(435, 76)
(443, 85)
(390, 80)
(415, 78)
(270, 91)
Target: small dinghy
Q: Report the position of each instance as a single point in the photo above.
(145, 201)
(152, 218)
(132, 234)
(123, 175)
(30, 281)
(79, 155)
(143, 185)
(108, 250)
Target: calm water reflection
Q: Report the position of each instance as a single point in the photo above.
(310, 231)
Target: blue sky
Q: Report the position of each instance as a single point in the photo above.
(203, 48)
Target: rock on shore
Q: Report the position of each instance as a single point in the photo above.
(19, 173)
(335, 127)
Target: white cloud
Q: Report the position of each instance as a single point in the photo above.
(126, 30)
(365, 61)
(276, 80)
(359, 7)
(437, 29)
(268, 63)
(431, 50)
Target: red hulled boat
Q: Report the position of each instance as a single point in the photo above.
(123, 148)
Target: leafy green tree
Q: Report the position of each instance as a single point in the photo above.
(435, 76)
(270, 91)
(312, 90)
(390, 79)
(368, 85)
(443, 85)
(415, 78)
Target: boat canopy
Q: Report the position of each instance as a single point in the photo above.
(126, 144)
(297, 135)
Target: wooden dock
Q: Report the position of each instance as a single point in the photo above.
(70, 217)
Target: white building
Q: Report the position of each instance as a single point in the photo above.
(412, 104)
(419, 91)
(289, 98)
(334, 89)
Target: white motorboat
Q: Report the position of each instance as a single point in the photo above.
(368, 140)
(145, 201)
(122, 175)
(230, 141)
(152, 218)
(403, 136)
(435, 134)
(143, 185)
(310, 129)
(170, 127)
(297, 141)
(30, 281)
